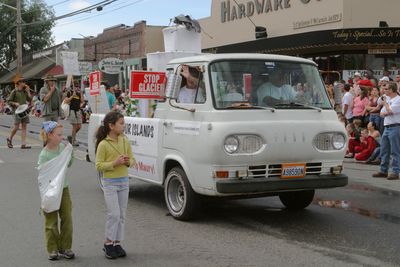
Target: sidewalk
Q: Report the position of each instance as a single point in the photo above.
(362, 173)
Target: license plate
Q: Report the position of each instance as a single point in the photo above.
(293, 170)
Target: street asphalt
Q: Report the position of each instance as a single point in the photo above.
(352, 226)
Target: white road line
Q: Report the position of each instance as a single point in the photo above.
(1, 161)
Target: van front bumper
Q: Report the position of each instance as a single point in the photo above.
(270, 185)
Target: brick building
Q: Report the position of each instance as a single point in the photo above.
(128, 43)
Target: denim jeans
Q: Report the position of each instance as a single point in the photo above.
(116, 194)
(390, 146)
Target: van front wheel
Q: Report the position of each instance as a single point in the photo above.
(180, 198)
(297, 200)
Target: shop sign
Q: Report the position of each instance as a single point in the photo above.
(349, 74)
(317, 21)
(85, 68)
(111, 65)
(42, 54)
(382, 51)
(94, 83)
(366, 35)
(231, 10)
(147, 85)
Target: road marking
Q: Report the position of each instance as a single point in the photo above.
(1, 161)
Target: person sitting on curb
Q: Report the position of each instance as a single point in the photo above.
(366, 147)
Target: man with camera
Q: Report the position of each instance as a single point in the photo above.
(75, 101)
(19, 96)
(390, 141)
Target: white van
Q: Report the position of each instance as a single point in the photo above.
(251, 130)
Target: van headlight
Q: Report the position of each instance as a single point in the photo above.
(338, 141)
(329, 141)
(243, 144)
(231, 144)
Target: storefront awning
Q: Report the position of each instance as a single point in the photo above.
(318, 42)
(31, 71)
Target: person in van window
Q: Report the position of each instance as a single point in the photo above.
(75, 100)
(187, 93)
(275, 89)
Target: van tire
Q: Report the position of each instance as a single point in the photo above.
(297, 200)
(182, 202)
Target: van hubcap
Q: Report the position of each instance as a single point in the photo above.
(176, 194)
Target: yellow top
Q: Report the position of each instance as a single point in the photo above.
(108, 151)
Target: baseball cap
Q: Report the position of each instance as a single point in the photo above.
(384, 79)
(357, 74)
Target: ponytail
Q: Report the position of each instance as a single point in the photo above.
(101, 134)
(111, 118)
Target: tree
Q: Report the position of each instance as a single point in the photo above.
(34, 37)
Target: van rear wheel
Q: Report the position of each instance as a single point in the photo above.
(181, 200)
(297, 200)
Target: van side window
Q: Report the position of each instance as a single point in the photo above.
(192, 87)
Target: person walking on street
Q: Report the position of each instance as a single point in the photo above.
(113, 157)
(58, 242)
(74, 99)
(390, 141)
(347, 103)
(19, 96)
(51, 97)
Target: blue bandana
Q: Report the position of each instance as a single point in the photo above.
(49, 126)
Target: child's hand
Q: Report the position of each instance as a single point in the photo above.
(119, 161)
(127, 161)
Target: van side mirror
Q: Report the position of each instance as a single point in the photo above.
(173, 85)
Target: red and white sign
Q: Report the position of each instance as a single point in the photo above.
(147, 85)
(247, 84)
(94, 83)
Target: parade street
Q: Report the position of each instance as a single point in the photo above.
(357, 225)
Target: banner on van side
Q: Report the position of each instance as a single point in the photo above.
(147, 85)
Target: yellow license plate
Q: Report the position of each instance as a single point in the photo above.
(293, 170)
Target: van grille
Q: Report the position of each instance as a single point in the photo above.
(275, 170)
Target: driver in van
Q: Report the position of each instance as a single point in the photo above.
(275, 90)
(187, 94)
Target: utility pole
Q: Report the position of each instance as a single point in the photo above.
(19, 39)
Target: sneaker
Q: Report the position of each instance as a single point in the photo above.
(120, 251)
(110, 252)
(75, 144)
(380, 175)
(53, 256)
(393, 176)
(68, 254)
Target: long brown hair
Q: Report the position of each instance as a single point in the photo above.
(111, 117)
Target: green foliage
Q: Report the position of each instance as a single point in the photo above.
(131, 109)
(34, 37)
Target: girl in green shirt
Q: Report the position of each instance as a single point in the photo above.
(113, 157)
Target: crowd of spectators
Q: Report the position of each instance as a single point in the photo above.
(362, 104)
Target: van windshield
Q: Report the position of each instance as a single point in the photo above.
(269, 84)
